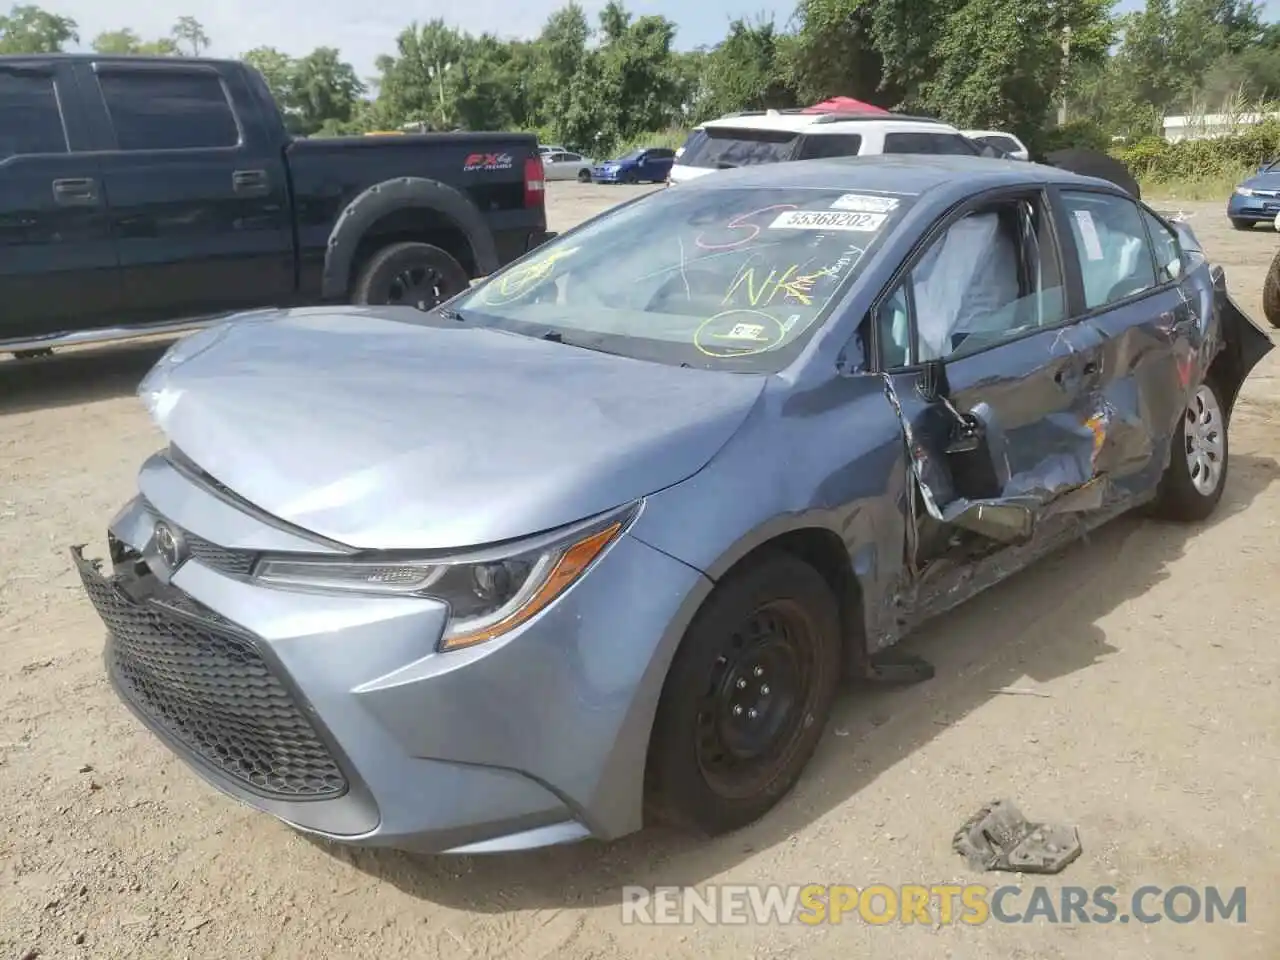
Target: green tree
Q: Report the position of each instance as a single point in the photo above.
(277, 70)
(745, 71)
(325, 88)
(188, 34)
(126, 41)
(29, 29)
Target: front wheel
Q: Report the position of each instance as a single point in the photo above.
(746, 699)
(411, 274)
(1241, 224)
(1193, 482)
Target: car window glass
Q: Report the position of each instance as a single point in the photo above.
(1164, 243)
(570, 157)
(30, 121)
(168, 111)
(556, 157)
(830, 145)
(742, 276)
(1111, 246)
(923, 142)
(1007, 144)
(991, 276)
(723, 147)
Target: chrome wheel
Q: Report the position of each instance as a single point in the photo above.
(1204, 432)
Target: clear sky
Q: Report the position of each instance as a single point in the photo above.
(363, 32)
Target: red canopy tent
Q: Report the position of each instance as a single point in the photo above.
(843, 105)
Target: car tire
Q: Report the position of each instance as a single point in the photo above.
(410, 274)
(1193, 482)
(1241, 224)
(1271, 293)
(717, 707)
(584, 176)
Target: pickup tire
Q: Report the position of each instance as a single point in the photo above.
(409, 274)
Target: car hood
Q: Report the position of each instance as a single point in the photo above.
(379, 430)
(1263, 181)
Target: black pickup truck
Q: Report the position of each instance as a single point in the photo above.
(143, 195)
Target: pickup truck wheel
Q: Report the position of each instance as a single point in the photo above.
(1271, 293)
(746, 698)
(410, 275)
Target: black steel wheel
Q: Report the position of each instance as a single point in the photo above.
(415, 275)
(746, 699)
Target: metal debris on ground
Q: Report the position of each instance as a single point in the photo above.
(999, 837)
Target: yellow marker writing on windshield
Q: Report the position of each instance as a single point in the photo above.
(524, 277)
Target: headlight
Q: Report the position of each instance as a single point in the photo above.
(488, 592)
(1244, 191)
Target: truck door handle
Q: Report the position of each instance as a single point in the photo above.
(249, 181)
(75, 192)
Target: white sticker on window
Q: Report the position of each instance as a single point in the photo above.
(1089, 234)
(746, 331)
(861, 203)
(815, 220)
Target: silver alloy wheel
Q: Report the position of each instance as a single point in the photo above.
(1204, 429)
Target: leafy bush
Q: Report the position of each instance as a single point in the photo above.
(1075, 133)
(1156, 160)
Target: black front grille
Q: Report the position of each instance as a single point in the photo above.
(224, 559)
(204, 684)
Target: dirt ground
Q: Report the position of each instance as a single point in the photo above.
(1151, 652)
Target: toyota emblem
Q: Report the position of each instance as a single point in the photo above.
(169, 545)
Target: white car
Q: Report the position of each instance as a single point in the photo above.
(771, 136)
(1001, 141)
(563, 165)
(544, 150)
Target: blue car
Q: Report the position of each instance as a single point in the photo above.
(593, 544)
(645, 165)
(1257, 199)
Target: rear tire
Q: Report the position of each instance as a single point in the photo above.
(1271, 293)
(411, 274)
(1193, 482)
(584, 176)
(746, 699)
(1241, 224)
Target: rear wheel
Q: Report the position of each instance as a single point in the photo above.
(1271, 293)
(1193, 483)
(410, 275)
(1241, 224)
(746, 699)
(584, 176)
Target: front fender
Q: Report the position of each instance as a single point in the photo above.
(392, 195)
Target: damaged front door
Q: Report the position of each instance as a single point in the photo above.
(997, 393)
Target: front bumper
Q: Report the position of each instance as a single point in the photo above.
(1255, 209)
(601, 175)
(337, 715)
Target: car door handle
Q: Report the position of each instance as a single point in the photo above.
(75, 192)
(250, 181)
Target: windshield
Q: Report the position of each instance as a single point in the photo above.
(732, 279)
(1007, 144)
(724, 147)
(633, 155)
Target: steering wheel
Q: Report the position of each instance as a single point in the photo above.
(687, 292)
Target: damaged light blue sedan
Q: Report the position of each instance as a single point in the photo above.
(592, 544)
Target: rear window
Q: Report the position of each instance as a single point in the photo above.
(724, 147)
(695, 138)
(830, 145)
(168, 110)
(926, 142)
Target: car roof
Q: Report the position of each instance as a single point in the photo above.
(829, 122)
(991, 133)
(900, 173)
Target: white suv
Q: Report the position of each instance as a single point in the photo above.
(772, 136)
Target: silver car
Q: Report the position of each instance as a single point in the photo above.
(593, 544)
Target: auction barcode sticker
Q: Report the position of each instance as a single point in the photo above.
(821, 220)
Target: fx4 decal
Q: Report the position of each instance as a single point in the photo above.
(488, 161)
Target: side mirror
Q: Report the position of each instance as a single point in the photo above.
(933, 381)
